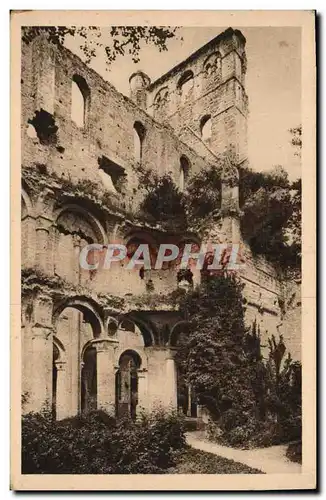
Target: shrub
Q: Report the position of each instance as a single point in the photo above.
(294, 452)
(96, 443)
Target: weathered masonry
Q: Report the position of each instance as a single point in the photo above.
(102, 339)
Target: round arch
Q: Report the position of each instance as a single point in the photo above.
(185, 77)
(88, 216)
(178, 328)
(132, 353)
(146, 329)
(27, 202)
(60, 347)
(88, 307)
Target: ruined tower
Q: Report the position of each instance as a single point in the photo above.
(204, 99)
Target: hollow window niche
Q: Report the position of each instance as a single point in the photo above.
(184, 172)
(139, 136)
(185, 85)
(80, 96)
(206, 128)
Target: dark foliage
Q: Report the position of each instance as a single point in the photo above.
(192, 461)
(112, 42)
(294, 452)
(271, 220)
(251, 402)
(212, 356)
(98, 444)
(163, 202)
(203, 194)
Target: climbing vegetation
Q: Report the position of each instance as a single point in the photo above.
(249, 398)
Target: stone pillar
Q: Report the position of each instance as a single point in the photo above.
(230, 202)
(62, 393)
(40, 356)
(75, 263)
(40, 398)
(105, 374)
(171, 382)
(189, 401)
(28, 241)
(44, 255)
(142, 392)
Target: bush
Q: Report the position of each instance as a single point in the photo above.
(294, 452)
(96, 443)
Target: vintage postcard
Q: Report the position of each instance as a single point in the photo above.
(163, 250)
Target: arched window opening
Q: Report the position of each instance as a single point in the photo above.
(213, 65)
(139, 136)
(206, 128)
(89, 380)
(185, 85)
(184, 172)
(127, 384)
(79, 100)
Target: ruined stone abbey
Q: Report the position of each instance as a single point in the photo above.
(103, 338)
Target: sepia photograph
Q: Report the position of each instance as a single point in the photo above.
(163, 322)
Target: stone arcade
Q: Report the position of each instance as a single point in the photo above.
(103, 339)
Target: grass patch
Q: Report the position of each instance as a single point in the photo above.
(192, 461)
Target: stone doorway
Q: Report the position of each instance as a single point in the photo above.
(89, 380)
(127, 384)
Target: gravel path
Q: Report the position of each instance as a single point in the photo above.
(270, 460)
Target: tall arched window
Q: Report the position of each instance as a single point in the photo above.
(79, 100)
(127, 384)
(184, 171)
(185, 85)
(206, 127)
(139, 136)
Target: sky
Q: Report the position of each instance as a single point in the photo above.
(273, 84)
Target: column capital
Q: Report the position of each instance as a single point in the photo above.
(41, 331)
(76, 239)
(104, 344)
(142, 372)
(42, 311)
(43, 224)
(60, 365)
(171, 353)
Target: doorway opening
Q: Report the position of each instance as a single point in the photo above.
(127, 384)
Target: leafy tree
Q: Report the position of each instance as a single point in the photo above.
(108, 43)
(163, 201)
(271, 221)
(212, 356)
(284, 378)
(203, 194)
(296, 139)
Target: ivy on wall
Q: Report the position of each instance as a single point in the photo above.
(270, 208)
(249, 398)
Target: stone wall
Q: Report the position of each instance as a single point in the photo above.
(66, 309)
(108, 130)
(215, 88)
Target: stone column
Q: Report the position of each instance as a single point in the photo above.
(189, 401)
(44, 255)
(105, 374)
(230, 202)
(142, 392)
(40, 356)
(62, 393)
(75, 263)
(171, 382)
(28, 241)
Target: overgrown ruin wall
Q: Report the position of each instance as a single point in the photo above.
(70, 308)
